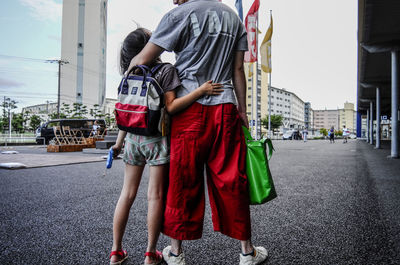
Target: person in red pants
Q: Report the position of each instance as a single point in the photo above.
(209, 41)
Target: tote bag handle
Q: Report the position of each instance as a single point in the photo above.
(268, 142)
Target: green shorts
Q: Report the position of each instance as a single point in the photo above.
(141, 150)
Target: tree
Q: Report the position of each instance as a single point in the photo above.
(79, 111)
(35, 122)
(65, 111)
(54, 116)
(8, 105)
(276, 122)
(110, 119)
(323, 131)
(96, 112)
(17, 123)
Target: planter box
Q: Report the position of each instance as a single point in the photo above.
(68, 148)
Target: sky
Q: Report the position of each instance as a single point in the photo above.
(314, 46)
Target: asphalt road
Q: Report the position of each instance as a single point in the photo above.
(337, 204)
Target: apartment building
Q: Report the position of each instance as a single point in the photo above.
(308, 116)
(347, 117)
(326, 119)
(297, 110)
(83, 49)
(256, 96)
(336, 118)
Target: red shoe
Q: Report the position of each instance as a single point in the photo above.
(156, 256)
(119, 253)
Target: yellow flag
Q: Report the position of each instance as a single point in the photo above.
(265, 50)
(250, 65)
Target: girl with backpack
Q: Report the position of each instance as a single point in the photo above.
(140, 150)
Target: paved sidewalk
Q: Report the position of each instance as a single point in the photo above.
(37, 156)
(337, 204)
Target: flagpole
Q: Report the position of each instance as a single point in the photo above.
(256, 134)
(269, 106)
(269, 95)
(252, 99)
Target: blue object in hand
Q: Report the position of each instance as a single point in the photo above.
(110, 158)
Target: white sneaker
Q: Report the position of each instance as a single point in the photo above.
(170, 259)
(260, 255)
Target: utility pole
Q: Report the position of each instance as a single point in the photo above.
(9, 113)
(60, 62)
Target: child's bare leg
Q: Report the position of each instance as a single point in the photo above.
(133, 175)
(155, 195)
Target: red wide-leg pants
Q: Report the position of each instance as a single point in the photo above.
(209, 136)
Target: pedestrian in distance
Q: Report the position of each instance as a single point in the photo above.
(305, 134)
(152, 150)
(209, 41)
(346, 134)
(332, 135)
(95, 129)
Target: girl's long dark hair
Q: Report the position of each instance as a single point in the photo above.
(132, 45)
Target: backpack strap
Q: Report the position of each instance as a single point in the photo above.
(144, 68)
(156, 68)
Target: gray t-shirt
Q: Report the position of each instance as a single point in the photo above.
(204, 34)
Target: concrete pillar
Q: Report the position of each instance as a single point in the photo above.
(371, 122)
(395, 104)
(359, 123)
(378, 119)
(367, 129)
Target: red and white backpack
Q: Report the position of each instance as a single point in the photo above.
(140, 102)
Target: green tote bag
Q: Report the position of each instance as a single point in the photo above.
(261, 185)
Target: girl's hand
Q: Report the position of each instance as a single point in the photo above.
(117, 149)
(211, 89)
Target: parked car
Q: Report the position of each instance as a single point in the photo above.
(292, 135)
(84, 125)
(288, 135)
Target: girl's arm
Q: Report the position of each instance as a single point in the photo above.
(118, 144)
(174, 104)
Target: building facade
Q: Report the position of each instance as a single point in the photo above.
(83, 49)
(297, 110)
(44, 109)
(256, 97)
(110, 106)
(308, 116)
(347, 117)
(326, 119)
(336, 118)
(284, 103)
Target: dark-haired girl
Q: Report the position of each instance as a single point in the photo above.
(152, 150)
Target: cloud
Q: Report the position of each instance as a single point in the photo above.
(44, 9)
(6, 83)
(55, 37)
